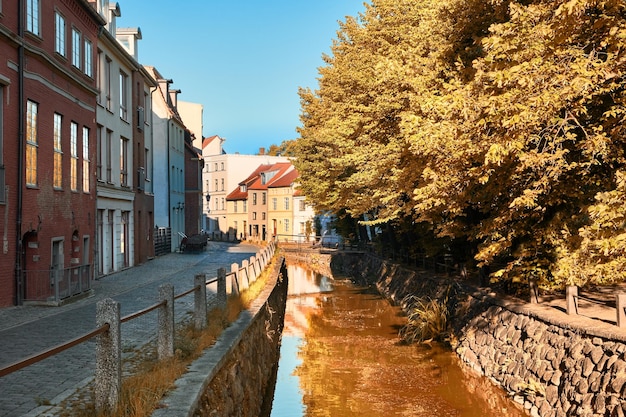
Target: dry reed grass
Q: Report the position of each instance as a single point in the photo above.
(142, 391)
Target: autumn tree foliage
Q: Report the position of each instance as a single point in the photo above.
(494, 126)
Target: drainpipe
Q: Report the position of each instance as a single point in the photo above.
(19, 279)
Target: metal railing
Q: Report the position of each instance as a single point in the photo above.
(54, 285)
(108, 372)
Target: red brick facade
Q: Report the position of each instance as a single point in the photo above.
(193, 187)
(48, 225)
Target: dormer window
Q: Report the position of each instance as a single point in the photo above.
(242, 188)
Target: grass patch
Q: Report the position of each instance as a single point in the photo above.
(427, 320)
(151, 379)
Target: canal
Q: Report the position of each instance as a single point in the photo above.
(341, 357)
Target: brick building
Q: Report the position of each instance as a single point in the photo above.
(47, 148)
(193, 187)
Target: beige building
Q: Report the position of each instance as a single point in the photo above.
(221, 175)
(280, 209)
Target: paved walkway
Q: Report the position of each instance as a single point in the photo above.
(40, 389)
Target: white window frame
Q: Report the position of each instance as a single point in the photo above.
(86, 161)
(88, 58)
(60, 34)
(33, 16)
(76, 48)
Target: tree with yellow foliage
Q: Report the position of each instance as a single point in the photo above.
(495, 124)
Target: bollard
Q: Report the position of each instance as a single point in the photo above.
(571, 299)
(252, 266)
(234, 280)
(108, 375)
(165, 336)
(244, 283)
(620, 302)
(199, 299)
(221, 287)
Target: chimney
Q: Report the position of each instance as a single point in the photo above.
(174, 98)
(261, 151)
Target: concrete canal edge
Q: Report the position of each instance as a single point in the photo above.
(233, 376)
(550, 363)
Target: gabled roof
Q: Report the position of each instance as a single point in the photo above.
(237, 194)
(286, 180)
(275, 172)
(208, 140)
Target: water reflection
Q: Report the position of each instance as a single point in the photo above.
(340, 356)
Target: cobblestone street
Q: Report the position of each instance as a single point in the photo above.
(27, 330)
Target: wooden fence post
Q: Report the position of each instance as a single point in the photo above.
(534, 291)
(199, 298)
(221, 287)
(571, 299)
(108, 375)
(620, 303)
(165, 336)
(234, 280)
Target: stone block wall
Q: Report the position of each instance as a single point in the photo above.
(234, 377)
(552, 366)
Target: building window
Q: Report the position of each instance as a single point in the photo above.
(123, 162)
(254, 199)
(286, 225)
(222, 166)
(216, 182)
(88, 64)
(222, 184)
(302, 205)
(107, 81)
(223, 202)
(57, 180)
(32, 16)
(59, 38)
(254, 215)
(31, 143)
(234, 207)
(123, 96)
(286, 203)
(245, 206)
(263, 199)
(108, 153)
(148, 164)
(86, 164)
(76, 45)
(99, 150)
(216, 166)
(263, 216)
(74, 156)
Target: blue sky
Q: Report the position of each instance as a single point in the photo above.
(242, 60)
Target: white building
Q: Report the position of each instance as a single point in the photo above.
(303, 218)
(114, 170)
(168, 159)
(192, 114)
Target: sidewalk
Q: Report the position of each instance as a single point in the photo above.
(39, 389)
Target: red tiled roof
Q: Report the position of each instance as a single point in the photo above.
(281, 167)
(286, 180)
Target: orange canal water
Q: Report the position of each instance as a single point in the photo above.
(341, 357)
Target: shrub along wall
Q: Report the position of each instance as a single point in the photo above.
(551, 363)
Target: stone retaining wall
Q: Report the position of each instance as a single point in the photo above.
(234, 376)
(551, 365)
